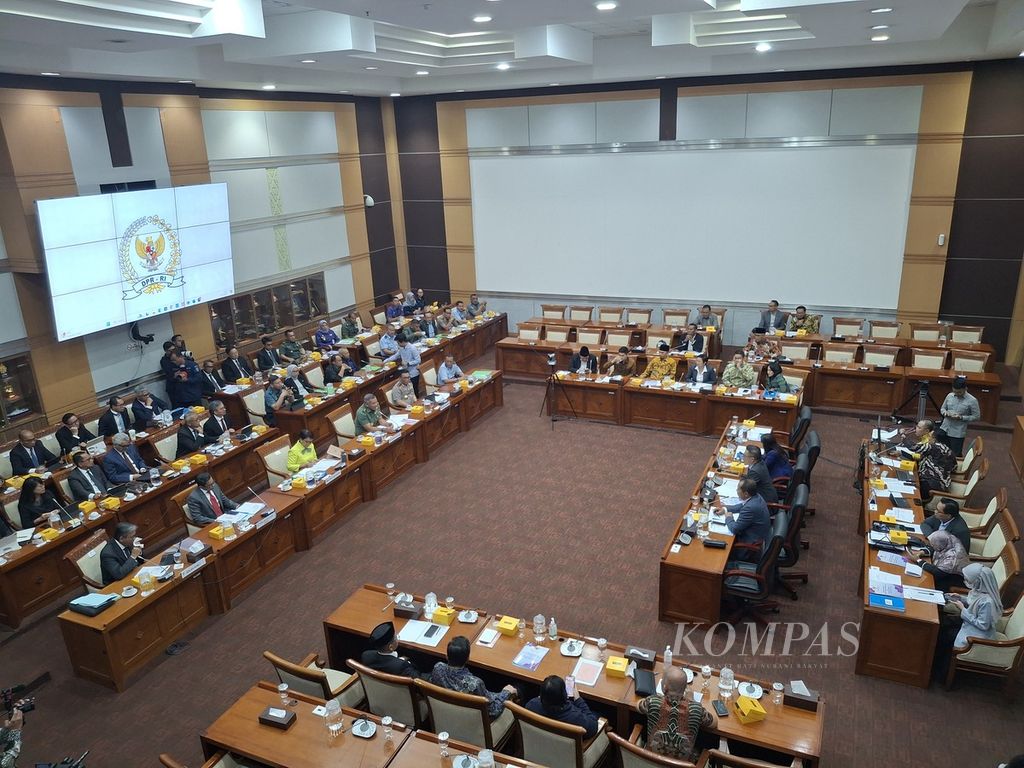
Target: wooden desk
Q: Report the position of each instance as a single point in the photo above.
(894, 645)
(852, 385)
(305, 744)
(421, 751)
(655, 407)
(776, 414)
(986, 387)
(1017, 446)
(520, 359)
(120, 641)
(575, 395)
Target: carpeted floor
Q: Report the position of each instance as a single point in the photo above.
(516, 517)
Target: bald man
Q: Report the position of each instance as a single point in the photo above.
(674, 721)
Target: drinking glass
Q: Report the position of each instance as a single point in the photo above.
(778, 691)
(390, 587)
(385, 724)
(449, 602)
(442, 742)
(522, 629)
(334, 719)
(485, 758)
(602, 648)
(705, 673)
(282, 691)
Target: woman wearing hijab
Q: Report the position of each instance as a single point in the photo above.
(948, 561)
(776, 380)
(410, 306)
(972, 616)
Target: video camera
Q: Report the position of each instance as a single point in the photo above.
(10, 700)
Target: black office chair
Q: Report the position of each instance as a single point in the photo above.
(812, 447)
(787, 486)
(791, 546)
(792, 440)
(750, 585)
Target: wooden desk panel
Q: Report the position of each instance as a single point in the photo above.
(1017, 446)
(856, 386)
(327, 502)
(682, 410)
(585, 398)
(421, 751)
(767, 413)
(482, 398)
(524, 359)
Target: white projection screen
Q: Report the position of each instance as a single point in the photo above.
(117, 258)
(821, 225)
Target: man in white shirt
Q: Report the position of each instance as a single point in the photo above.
(449, 371)
(459, 312)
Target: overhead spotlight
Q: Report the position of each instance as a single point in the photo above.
(503, 66)
(763, 47)
(268, 87)
(554, 84)
(606, 5)
(460, 90)
(660, 77)
(879, 38)
(880, 26)
(185, 82)
(481, 18)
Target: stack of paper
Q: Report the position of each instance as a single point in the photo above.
(416, 632)
(249, 508)
(884, 583)
(530, 657)
(756, 433)
(94, 600)
(587, 672)
(924, 595)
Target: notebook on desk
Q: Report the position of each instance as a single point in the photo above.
(888, 602)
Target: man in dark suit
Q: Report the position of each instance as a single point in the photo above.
(207, 502)
(758, 471)
(115, 419)
(167, 366)
(700, 373)
(86, 481)
(235, 367)
(188, 387)
(749, 520)
(121, 555)
(122, 463)
(691, 341)
(145, 409)
(947, 518)
(772, 317)
(211, 380)
(428, 326)
(268, 357)
(583, 362)
(190, 436)
(29, 455)
(215, 426)
(382, 654)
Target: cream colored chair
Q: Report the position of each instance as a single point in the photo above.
(343, 422)
(167, 447)
(965, 361)
(616, 338)
(676, 318)
(719, 313)
(987, 547)
(880, 354)
(274, 456)
(256, 406)
(428, 376)
(1000, 657)
(550, 742)
(530, 331)
(49, 440)
(632, 753)
(847, 326)
(975, 449)
(553, 311)
(795, 377)
(885, 329)
(639, 315)
(180, 500)
(967, 334)
(5, 463)
(594, 336)
(581, 314)
(315, 375)
(11, 510)
(609, 314)
(85, 559)
(1005, 568)
(932, 359)
(723, 758)
(379, 315)
(654, 338)
(312, 678)
(372, 346)
(928, 331)
(979, 519)
(392, 695)
(961, 492)
(465, 717)
(557, 334)
(795, 350)
(839, 353)
(92, 425)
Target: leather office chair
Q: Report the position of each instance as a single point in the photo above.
(979, 518)
(581, 313)
(722, 758)
(654, 338)
(256, 406)
(812, 447)
(553, 311)
(928, 331)
(719, 313)
(640, 316)
(796, 378)
(970, 463)
(632, 753)
(11, 510)
(609, 314)
(557, 334)
(167, 447)
(965, 361)
(988, 546)
(530, 331)
(975, 448)
(967, 334)
(885, 329)
(310, 677)
(932, 359)
(5, 463)
(787, 486)
(750, 585)
(1005, 568)
(550, 742)
(464, 716)
(343, 423)
(616, 338)
(792, 441)
(379, 315)
(371, 345)
(1000, 657)
(791, 546)
(85, 558)
(392, 695)
(274, 456)
(847, 326)
(795, 350)
(879, 354)
(590, 336)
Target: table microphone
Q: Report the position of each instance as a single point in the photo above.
(75, 522)
(249, 488)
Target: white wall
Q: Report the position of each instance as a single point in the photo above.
(112, 364)
(12, 326)
(539, 125)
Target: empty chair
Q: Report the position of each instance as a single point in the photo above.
(633, 755)
(884, 329)
(589, 336)
(812, 447)
(85, 559)
(1005, 568)
(274, 456)
(310, 677)
(749, 586)
(880, 354)
(965, 361)
(580, 313)
(255, 406)
(933, 359)
(379, 315)
(11, 510)
(553, 311)
(999, 657)
(609, 314)
(616, 338)
(988, 546)
(975, 448)
(549, 742)
(315, 375)
(428, 376)
(638, 315)
(557, 334)
(927, 331)
(392, 695)
(5, 463)
(978, 519)
(343, 422)
(722, 758)
(530, 331)
(961, 492)
(465, 717)
(795, 350)
(719, 313)
(791, 546)
(675, 318)
(839, 353)
(656, 337)
(792, 441)
(847, 326)
(966, 334)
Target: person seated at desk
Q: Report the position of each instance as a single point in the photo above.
(409, 306)
(190, 436)
(369, 416)
(459, 313)
(583, 362)
(35, 503)
(973, 615)
(215, 426)
(338, 367)
(776, 379)
(475, 308)
(382, 655)
(691, 341)
(421, 298)
(393, 311)
(758, 470)
(409, 357)
(662, 366)
(212, 383)
(351, 325)
(947, 562)
(947, 518)
(297, 382)
(145, 409)
(235, 367)
(115, 419)
(445, 321)
(738, 373)
(290, 350)
(122, 463)
(72, 434)
(325, 337)
(674, 721)
(86, 481)
(621, 365)
(448, 371)
(188, 386)
(302, 455)
(801, 321)
(30, 455)
(703, 318)
(276, 397)
(555, 704)
(775, 458)
(700, 373)
(428, 327)
(772, 318)
(749, 521)
(453, 675)
(935, 460)
(388, 342)
(122, 554)
(268, 357)
(403, 394)
(207, 502)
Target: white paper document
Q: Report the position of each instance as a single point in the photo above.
(891, 558)
(416, 632)
(756, 433)
(249, 508)
(877, 576)
(232, 389)
(798, 687)
(720, 528)
(913, 569)
(887, 434)
(398, 420)
(323, 465)
(587, 672)
(730, 487)
(924, 595)
(903, 515)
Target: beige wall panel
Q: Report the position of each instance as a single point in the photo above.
(257, 105)
(838, 83)
(924, 224)
(944, 104)
(451, 125)
(362, 281)
(48, 98)
(936, 169)
(455, 178)
(184, 142)
(920, 289)
(35, 136)
(1015, 342)
(458, 223)
(395, 184)
(194, 324)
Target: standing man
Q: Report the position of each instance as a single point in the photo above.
(188, 382)
(409, 357)
(958, 410)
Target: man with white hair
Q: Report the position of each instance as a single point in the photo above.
(297, 382)
(122, 463)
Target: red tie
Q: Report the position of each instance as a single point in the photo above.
(215, 504)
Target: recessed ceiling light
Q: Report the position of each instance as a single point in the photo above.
(880, 26)
(307, 61)
(606, 5)
(778, 70)
(659, 77)
(503, 66)
(763, 47)
(184, 82)
(422, 72)
(879, 38)
(552, 84)
(481, 18)
(344, 91)
(50, 74)
(370, 69)
(460, 90)
(268, 87)
(881, 10)
(395, 95)
(1021, 53)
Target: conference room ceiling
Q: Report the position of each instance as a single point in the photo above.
(382, 47)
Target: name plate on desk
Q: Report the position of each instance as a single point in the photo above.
(198, 565)
(268, 518)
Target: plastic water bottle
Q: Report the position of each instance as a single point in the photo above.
(726, 682)
(538, 628)
(553, 630)
(668, 656)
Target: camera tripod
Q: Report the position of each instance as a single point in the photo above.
(551, 388)
(923, 395)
